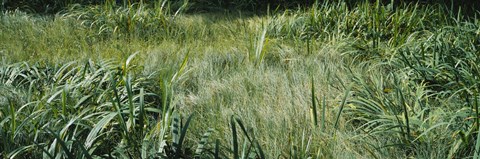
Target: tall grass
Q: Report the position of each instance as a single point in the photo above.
(370, 80)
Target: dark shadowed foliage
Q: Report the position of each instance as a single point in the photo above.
(54, 6)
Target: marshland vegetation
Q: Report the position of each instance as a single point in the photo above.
(207, 79)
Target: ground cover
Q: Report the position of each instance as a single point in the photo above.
(147, 80)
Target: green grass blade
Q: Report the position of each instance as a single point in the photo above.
(313, 108)
(13, 124)
(477, 143)
(477, 147)
(245, 149)
(477, 120)
(259, 149)
(129, 59)
(216, 154)
(203, 143)
(183, 133)
(62, 143)
(92, 136)
(117, 106)
(182, 68)
(324, 108)
(54, 96)
(234, 138)
(402, 103)
(18, 151)
(64, 100)
(176, 128)
(131, 107)
(344, 99)
(84, 150)
(244, 130)
(45, 151)
(141, 116)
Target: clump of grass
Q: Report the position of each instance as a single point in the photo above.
(63, 104)
(135, 20)
(96, 110)
(419, 97)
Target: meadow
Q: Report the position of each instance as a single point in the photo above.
(174, 79)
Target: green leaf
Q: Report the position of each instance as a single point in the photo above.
(203, 142)
(93, 135)
(342, 105)
(234, 138)
(62, 143)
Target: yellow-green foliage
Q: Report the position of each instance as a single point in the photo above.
(143, 80)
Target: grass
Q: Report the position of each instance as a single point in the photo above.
(145, 80)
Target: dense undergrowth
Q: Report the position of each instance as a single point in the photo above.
(148, 80)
